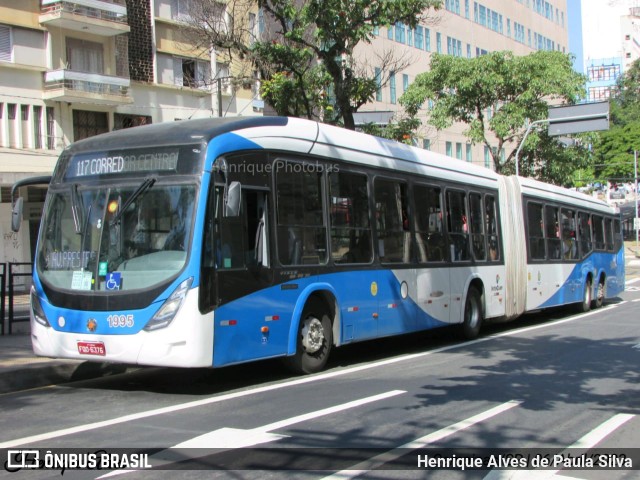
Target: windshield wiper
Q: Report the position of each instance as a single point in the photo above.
(76, 208)
(144, 186)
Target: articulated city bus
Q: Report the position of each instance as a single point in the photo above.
(219, 241)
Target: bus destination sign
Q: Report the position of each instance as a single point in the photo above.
(119, 162)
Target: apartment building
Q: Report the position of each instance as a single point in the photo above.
(75, 68)
(464, 28)
(630, 31)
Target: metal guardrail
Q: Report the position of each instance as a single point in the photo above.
(10, 311)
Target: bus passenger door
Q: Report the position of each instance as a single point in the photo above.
(243, 276)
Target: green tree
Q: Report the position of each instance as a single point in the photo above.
(337, 27)
(613, 151)
(306, 54)
(496, 95)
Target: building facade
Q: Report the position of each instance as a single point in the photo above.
(464, 28)
(630, 32)
(76, 68)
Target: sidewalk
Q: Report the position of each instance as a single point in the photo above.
(20, 369)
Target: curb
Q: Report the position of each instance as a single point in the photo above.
(39, 376)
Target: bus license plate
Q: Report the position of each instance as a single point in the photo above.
(91, 348)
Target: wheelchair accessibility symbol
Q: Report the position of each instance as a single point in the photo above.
(113, 281)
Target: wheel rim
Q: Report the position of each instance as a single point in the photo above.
(600, 293)
(312, 335)
(472, 313)
(587, 293)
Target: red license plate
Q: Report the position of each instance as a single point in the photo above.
(92, 348)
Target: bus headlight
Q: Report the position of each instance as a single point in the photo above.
(36, 308)
(169, 309)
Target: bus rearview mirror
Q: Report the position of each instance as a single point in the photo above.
(16, 214)
(232, 207)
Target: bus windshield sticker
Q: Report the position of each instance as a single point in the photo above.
(112, 163)
(81, 280)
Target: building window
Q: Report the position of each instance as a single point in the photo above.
(438, 42)
(603, 72)
(12, 108)
(419, 37)
(37, 126)
(191, 73)
(378, 84)
(84, 56)
(121, 120)
(392, 87)
(487, 157)
(469, 154)
(6, 44)
(51, 129)
(427, 39)
(426, 144)
(599, 93)
(459, 150)
(449, 149)
(88, 124)
(405, 82)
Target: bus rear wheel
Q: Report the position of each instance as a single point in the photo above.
(585, 305)
(600, 294)
(472, 314)
(315, 339)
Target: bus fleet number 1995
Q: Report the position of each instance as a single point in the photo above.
(116, 321)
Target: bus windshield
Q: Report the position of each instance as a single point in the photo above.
(115, 238)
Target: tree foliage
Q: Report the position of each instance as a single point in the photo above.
(495, 95)
(614, 149)
(306, 53)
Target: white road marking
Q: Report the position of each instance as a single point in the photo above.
(245, 438)
(370, 464)
(228, 438)
(269, 388)
(633, 280)
(588, 441)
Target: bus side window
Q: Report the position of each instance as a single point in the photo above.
(552, 232)
(302, 233)
(392, 216)
(491, 228)
(429, 228)
(568, 231)
(584, 234)
(458, 226)
(535, 232)
(608, 234)
(597, 227)
(476, 227)
(351, 240)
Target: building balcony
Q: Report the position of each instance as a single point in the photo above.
(100, 17)
(80, 87)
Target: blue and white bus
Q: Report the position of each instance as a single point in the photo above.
(214, 242)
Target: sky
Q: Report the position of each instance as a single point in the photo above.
(601, 27)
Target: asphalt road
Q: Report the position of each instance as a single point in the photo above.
(547, 383)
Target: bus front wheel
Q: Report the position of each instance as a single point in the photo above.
(315, 338)
(472, 314)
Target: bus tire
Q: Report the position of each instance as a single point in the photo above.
(472, 314)
(585, 305)
(315, 339)
(600, 294)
